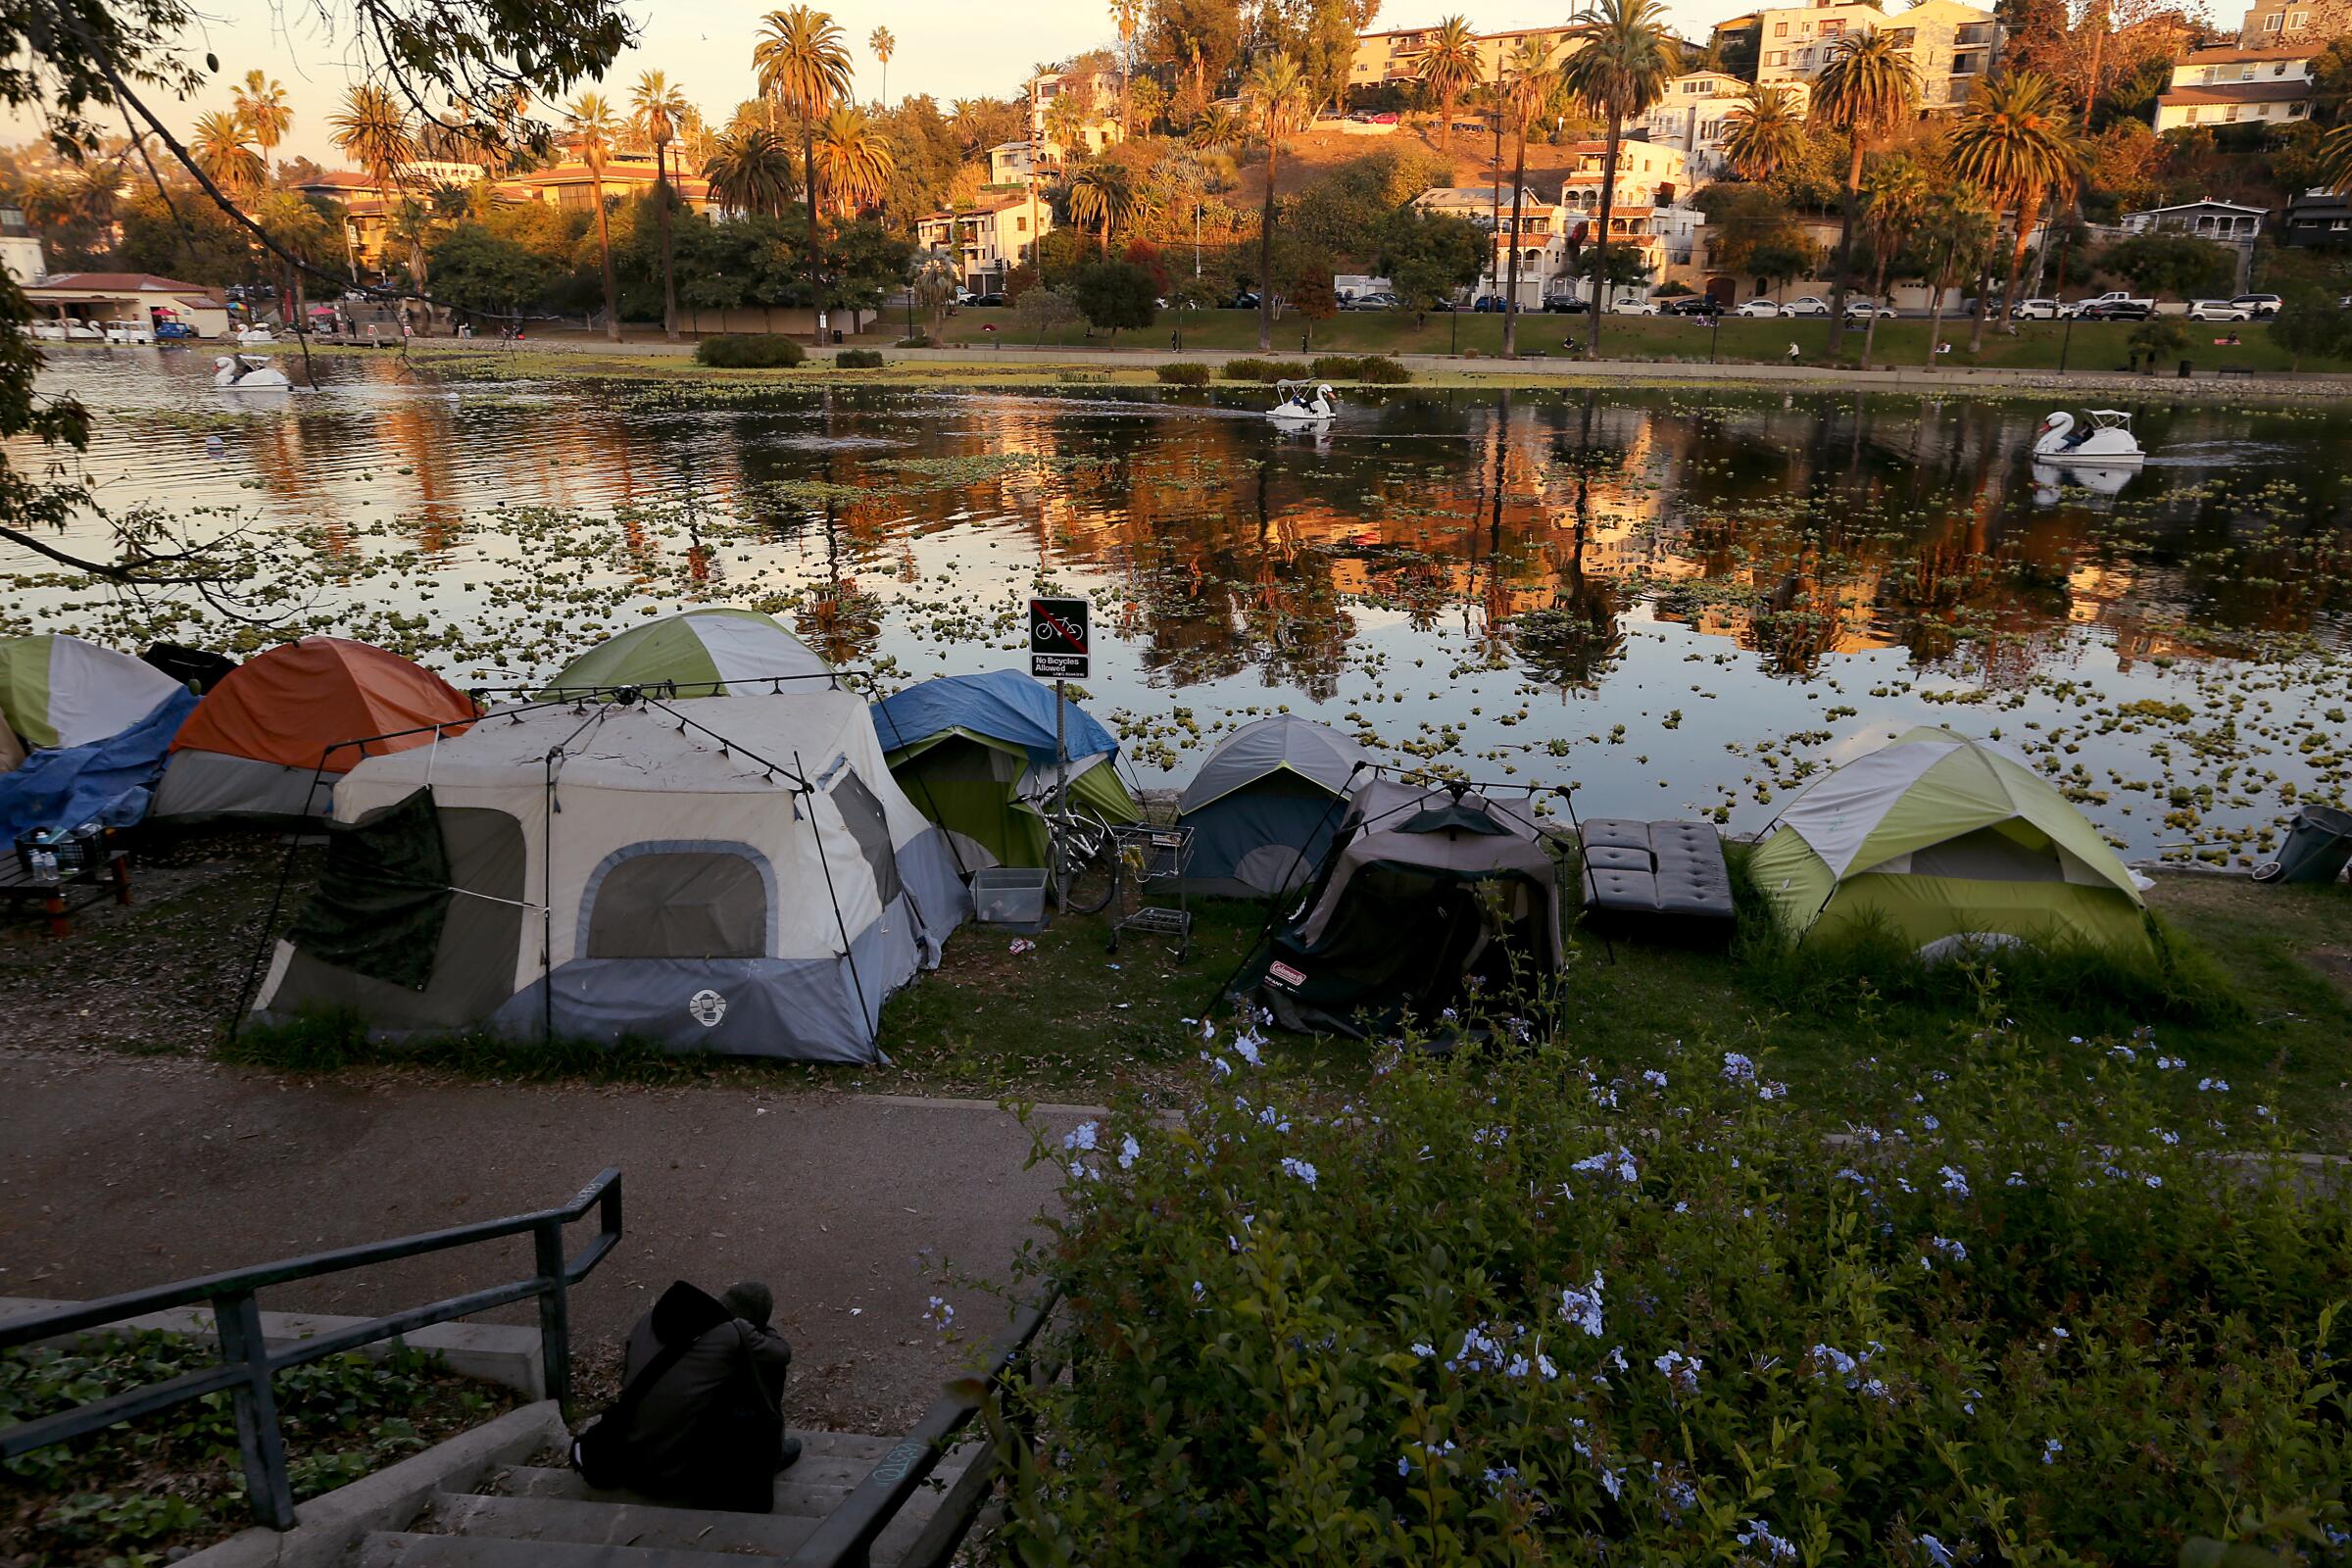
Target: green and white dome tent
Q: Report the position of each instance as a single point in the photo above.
(712, 652)
(1946, 840)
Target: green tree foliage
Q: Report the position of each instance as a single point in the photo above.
(929, 152)
(178, 232)
(1198, 42)
(1042, 309)
(1347, 209)
(1752, 233)
(1115, 294)
(1429, 255)
(2311, 326)
(479, 268)
(2172, 264)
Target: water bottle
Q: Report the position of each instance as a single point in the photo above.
(44, 863)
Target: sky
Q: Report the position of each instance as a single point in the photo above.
(948, 48)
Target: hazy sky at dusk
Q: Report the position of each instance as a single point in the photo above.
(948, 48)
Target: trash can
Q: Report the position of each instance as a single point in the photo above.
(2184, 369)
(2319, 845)
(837, 339)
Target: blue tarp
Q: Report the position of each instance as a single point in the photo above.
(1003, 705)
(108, 782)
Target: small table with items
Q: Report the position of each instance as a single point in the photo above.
(56, 899)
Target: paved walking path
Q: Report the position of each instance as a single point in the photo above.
(118, 1172)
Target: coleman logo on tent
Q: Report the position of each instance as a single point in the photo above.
(1283, 972)
(707, 1008)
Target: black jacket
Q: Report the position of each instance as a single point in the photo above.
(661, 1436)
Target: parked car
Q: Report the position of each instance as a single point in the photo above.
(1566, 304)
(1245, 301)
(1375, 300)
(2263, 305)
(988, 299)
(1860, 309)
(1488, 304)
(174, 331)
(1759, 305)
(1634, 308)
(1701, 305)
(1806, 305)
(2219, 310)
(2040, 309)
(2117, 309)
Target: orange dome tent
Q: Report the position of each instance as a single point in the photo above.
(276, 726)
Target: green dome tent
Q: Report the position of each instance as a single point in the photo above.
(1945, 839)
(717, 651)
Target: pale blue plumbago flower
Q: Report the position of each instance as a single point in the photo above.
(1209, 1029)
(2262, 1112)
(1737, 1068)
(1682, 1371)
(1652, 1075)
(1247, 1046)
(1771, 1091)
(1674, 1494)
(1081, 1136)
(2119, 1052)
(2058, 1331)
(1955, 1181)
(1544, 1368)
(1616, 1359)
(1423, 1350)
(1683, 1206)
(2212, 1086)
(1759, 1536)
(1128, 1151)
(1581, 1307)
(2153, 1180)
(2168, 1139)
(1949, 1248)
(1620, 1164)
(1611, 1481)
(1199, 1290)
(1849, 1174)
(939, 1314)
(1404, 1467)
(1079, 1171)
(1497, 1475)
(2171, 1063)
(1299, 1168)
(2017, 1178)
(1219, 1066)
(2051, 1448)
(1517, 1367)
(1827, 1358)
(1931, 1124)
(1937, 1555)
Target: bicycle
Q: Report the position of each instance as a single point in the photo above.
(1090, 858)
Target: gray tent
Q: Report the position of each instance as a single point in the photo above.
(1422, 890)
(1266, 804)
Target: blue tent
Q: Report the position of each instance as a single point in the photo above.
(1003, 705)
(105, 781)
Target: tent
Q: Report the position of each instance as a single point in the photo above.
(12, 750)
(1420, 891)
(268, 741)
(196, 668)
(976, 754)
(1266, 804)
(95, 724)
(1946, 840)
(703, 653)
(734, 874)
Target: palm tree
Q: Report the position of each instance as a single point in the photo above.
(802, 63)
(1101, 194)
(221, 146)
(1764, 132)
(660, 106)
(2335, 159)
(1620, 69)
(1866, 90)
(1450, 65)
(1954, 234)
(372, 130)
(1531, 91)
(853, 159)
(594, 128)
(1217, 128)
(1898, 196)
(1275, 92)
(1066, 124)
(750, 170)
(299, 231)
(1128, 15)
(884, 46)
(2015, 141)
(261, 104)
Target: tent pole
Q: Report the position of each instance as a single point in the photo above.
(872, 1023)
(547, 903)
(1568, 796)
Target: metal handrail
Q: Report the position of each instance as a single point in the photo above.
(248, 1363)
(845, 1537)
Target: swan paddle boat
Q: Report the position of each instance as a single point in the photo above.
(1302, 403)
(248, 372)
(2106, 441)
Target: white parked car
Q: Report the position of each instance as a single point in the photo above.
(2040, 310)
(1758, 307)
(1634, 308)
(2219, 310)
(1862, 309)
(1806, 305)
(129, 332)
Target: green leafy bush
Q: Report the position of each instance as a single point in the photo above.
(1336, 366)
(1382, 370)
(742, 351)
(1185, 374)
(1266, 371)
(920, 340)
(858, 359)
(1497, 1309)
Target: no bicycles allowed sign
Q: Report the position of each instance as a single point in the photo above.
(1057, 639)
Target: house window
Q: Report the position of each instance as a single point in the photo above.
(1780, 30)
(2295, 111)
(2270, 24)
(2190, 116)
(1020, 225)
(1777, 58)
(2298, 20)
(2229, 116)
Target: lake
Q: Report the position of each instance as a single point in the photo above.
(1680, 601)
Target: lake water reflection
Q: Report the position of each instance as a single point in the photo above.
(1680, 601)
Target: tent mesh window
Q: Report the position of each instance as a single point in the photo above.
(382, 896)
(692, 903)
(861, 810)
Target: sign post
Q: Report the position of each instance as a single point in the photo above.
(1058, 648)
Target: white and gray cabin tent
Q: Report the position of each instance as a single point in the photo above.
(1266, 804)
(736, 874)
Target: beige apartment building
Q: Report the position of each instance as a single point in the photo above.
(989, 240)
(2233, 86)
(1951, 45)
(1694, 117)
(1395, 55)
(1098, 96)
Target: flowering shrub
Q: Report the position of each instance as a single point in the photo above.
(1505, 1311)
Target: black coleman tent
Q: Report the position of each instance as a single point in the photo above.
(1420, 891)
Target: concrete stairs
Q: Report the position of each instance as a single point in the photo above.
(543, 1515)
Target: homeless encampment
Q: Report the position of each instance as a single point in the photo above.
(745, 880)
(715, 652)
(1947, 842)
(269, 741)
(975, 753)
(1421, 891)
(95, 724)
(1266, 804)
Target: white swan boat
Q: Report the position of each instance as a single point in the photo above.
(2106, 441)
(254, 334)
(1302, 403)
(248, 372)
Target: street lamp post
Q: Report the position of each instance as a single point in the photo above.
(2066, 341)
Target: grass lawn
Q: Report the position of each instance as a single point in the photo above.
(2038, 345)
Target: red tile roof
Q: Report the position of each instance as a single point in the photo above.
(142, 282)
